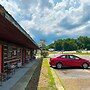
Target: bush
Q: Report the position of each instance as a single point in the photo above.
(44, 54)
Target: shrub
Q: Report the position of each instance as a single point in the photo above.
(44, 54)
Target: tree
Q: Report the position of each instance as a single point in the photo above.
(83, 42)
(69, 44)
(58, 45)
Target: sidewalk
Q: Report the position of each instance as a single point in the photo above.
(11, 84)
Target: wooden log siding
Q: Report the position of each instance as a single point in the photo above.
(5, 58)
(10, 55)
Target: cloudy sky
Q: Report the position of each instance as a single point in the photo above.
(51, 19)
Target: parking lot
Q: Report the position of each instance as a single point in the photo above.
(75, 78)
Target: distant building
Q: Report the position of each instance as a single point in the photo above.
(51, 49)
(15, 44)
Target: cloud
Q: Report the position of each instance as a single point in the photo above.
(85, 1)
(45, 4)
(80, 18)
(51, 17)
(86, 13)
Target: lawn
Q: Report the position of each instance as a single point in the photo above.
(46, 81)
(83, 53)
(52, 52)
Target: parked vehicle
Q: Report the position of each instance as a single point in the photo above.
(69, 60)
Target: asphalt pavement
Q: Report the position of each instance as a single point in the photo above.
(73, 78)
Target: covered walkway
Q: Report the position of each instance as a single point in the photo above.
(19, 76)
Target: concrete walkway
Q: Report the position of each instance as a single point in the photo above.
(20, 72)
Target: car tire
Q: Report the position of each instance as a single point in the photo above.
(59, 65)
(85, 65)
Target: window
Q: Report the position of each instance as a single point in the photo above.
(77, 58)
(73, 57)
(14, 52)
(64, 56)
(28, 52)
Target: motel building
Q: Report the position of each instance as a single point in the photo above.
(16, 46)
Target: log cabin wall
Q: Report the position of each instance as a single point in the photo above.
(10, 53)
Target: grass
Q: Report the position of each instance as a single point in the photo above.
(46, 81)
(52, 52)
(51, 81)
(83, 53)
(48, 52)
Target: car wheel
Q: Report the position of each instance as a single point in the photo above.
(85, 65)
(59, 65)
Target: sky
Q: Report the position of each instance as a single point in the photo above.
(51, 19)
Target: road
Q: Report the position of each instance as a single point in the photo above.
(75, 78)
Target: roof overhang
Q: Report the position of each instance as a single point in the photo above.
(10, 33)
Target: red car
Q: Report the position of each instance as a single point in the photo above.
(69, 60)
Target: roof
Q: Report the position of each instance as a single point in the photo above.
(12, 32)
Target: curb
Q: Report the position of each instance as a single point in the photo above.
(57, 80)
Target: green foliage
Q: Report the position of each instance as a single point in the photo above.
(49, 46)
(69, 44)
(44, 54)
(58, 45)
(83, 42)
(51, 80)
